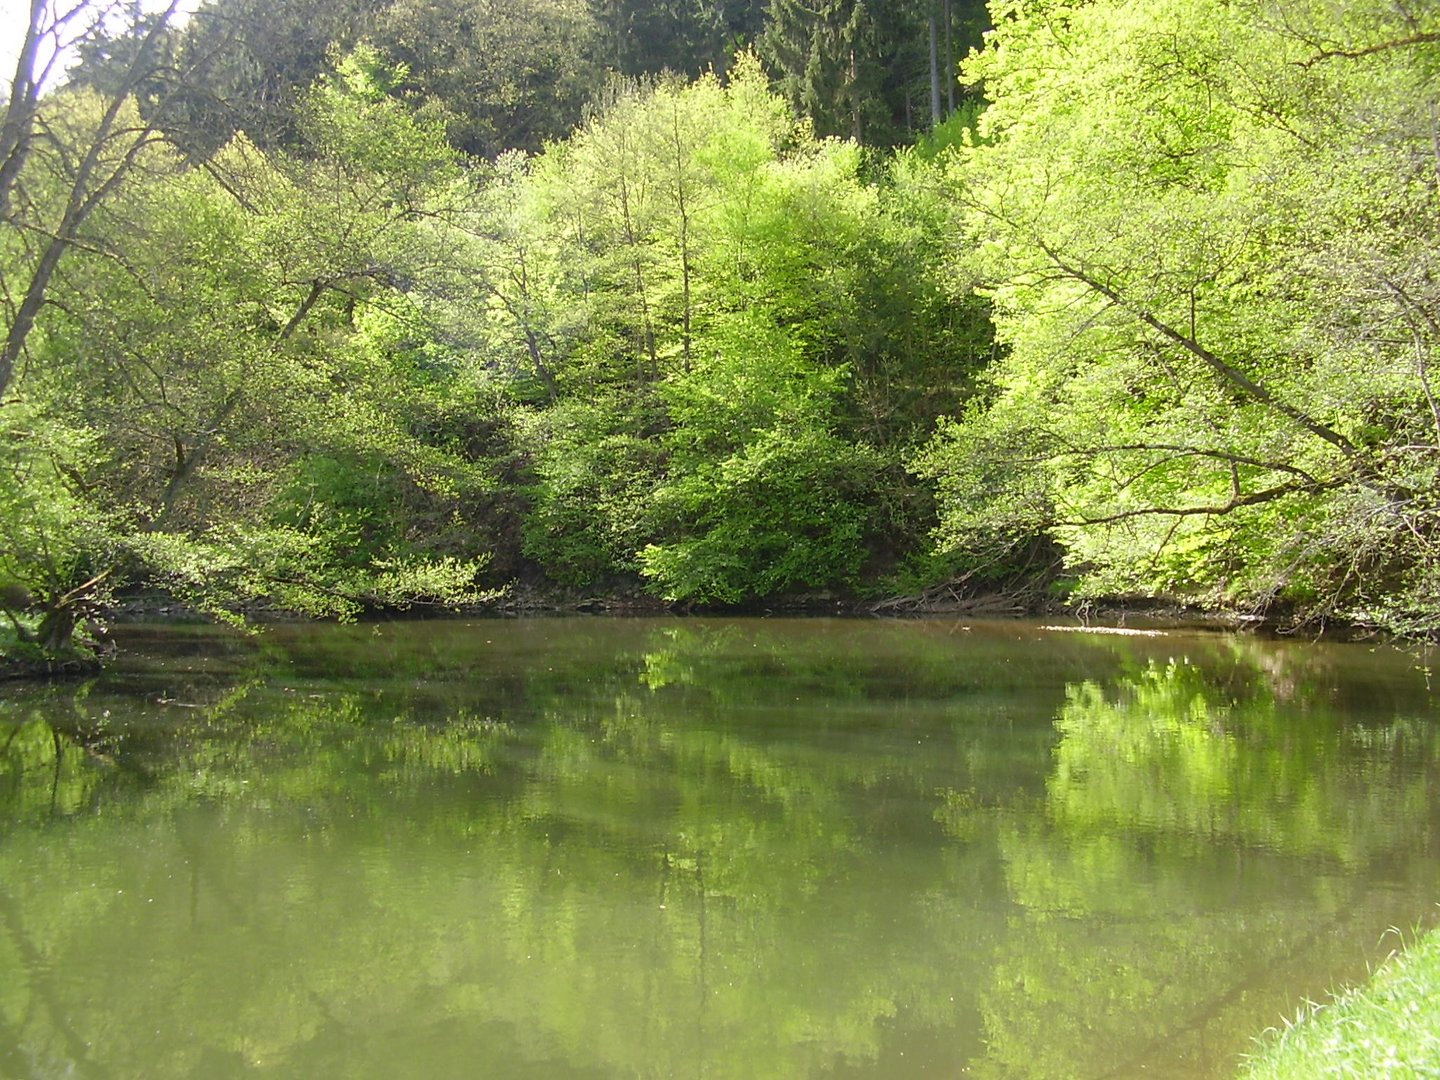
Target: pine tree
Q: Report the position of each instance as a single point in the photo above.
(822, 56)
(646, 37)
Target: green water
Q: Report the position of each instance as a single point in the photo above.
(701, 848)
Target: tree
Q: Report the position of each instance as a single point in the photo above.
(720, 340)
(710, 240)
(64, 156)
(1205, 229)
(499, 75)
(873, 72)
(42, 229)
(823, 57)
(225, 336)
(254, 61)
(57, 548)
(689, 37)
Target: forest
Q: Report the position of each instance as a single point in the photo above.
(326, 308)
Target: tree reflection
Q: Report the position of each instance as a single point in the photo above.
(1198, 846)
(1162, 752)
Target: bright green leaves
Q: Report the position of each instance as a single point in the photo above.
(388, 157)
(724, 338)
(694, 275)
(241, 370)
(788, 512)
(238, 567)
(642, 200)
(762, 496)
(1201, 225)
(57, 547)
(594, 471)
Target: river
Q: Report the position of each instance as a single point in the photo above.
(741, 848)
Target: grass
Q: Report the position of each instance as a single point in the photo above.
(1387, 1029)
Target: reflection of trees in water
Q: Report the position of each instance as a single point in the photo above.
(1162, 752)
(1198, 850)
(479, 873)
(656, 863)
(53, 754)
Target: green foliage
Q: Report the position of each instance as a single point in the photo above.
(57, 548)
(646, 37)
(786, 513)
(238, 568)
(862, 70)
(1164, 304)
(499, 76)
(247, 66)
(1203, 229)
(961, 128)
(251, 427)
(735, 333)
(689, 345)
(594, 474)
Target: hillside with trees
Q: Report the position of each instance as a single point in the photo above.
(329, 308)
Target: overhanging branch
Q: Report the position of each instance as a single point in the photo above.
(1255, 498)
(1419, 38)
(1231, 374)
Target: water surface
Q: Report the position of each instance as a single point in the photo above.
(710, 848)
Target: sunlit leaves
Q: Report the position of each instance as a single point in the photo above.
(1201, 226)
(56, 544)
(687, 278)
(220, 324)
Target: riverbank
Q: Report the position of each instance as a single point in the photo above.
(26, 660)
(20, 660)
(1389, 1027)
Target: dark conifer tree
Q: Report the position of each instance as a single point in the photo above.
(500, 74)
(646, 37)
(862, 68)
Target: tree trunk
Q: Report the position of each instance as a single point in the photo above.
(949, 56)
(19, 124)
(935, 116)
(856, 130)
(56, 633)
(92, 181)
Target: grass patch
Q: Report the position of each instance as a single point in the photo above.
(1388, 1028)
